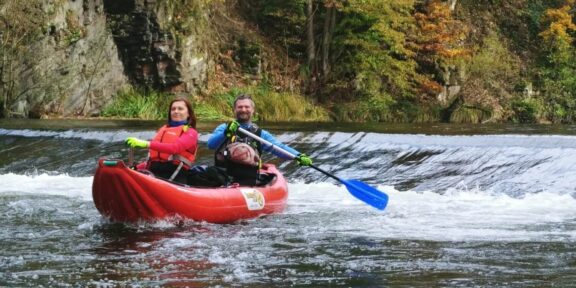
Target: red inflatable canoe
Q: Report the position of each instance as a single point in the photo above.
(125, 195)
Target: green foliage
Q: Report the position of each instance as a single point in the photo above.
(373, 75)
(370, 41)
(133, 103)
(525, 111)
(560, 94)
(370, 67)
(491, 76)
(557, 75)
(374, 109)
(206, 112)
(249, 56)
(493, 60)
(285, 106)
(270, 105)
(426, 114)
(282, 21)
(387, 60)
(467, 114)
(217, 106)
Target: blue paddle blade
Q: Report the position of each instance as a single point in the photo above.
(366, 193)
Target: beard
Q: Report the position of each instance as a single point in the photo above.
(243, 116)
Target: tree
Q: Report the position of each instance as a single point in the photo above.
(311, 43)
(331, 7)
(558, 79)
(20, 23)
(378, 38)
(437, 40)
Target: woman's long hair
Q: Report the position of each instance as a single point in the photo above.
(191, 118)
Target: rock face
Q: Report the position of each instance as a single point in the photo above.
(152, 56)
(72, 68)
(90, 49)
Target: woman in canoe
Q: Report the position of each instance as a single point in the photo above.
(173, 150)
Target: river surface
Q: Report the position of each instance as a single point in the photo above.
(470, 206)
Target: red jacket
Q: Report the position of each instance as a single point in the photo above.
(176, 144)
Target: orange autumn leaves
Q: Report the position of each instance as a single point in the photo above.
(439, 39)
(438, 32)
(559, 23)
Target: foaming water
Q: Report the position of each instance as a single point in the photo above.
(459, 214)
(325, 237)
(464, 210)
(104, 136)
(510, 164)
(44, 184)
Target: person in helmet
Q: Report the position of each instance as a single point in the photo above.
(230, 145)
(173, 150)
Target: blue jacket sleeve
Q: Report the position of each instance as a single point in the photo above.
(217, 138)
(268, 137)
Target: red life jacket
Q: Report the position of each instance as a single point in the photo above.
(170, 135)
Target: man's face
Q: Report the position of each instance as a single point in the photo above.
(243, 110)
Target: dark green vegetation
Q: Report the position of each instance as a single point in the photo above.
(428, 61)
(467, 61)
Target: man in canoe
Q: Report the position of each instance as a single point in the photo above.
(238, 153)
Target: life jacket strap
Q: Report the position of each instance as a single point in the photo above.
(176, 171)
(180, 158)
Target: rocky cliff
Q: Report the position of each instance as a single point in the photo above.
(70, 57)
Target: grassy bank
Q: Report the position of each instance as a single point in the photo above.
(270, 105)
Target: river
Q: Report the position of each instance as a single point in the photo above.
(470, 206)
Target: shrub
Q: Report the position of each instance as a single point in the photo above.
(135, 103)
(525, 111)
(270, 105)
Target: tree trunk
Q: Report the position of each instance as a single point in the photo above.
(312, 85)
(453, 5)
(311, 47)
(446, 113)
(329, 23)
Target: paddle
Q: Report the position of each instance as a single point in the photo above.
(357, 188)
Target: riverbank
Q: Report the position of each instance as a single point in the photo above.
(206, 126)
(270, 105)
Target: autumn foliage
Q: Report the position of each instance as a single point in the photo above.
(559, 25)
(438, 40)
(438, 34)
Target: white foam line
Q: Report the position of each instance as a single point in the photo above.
(105, 136)
(43, 184)
(459, 215)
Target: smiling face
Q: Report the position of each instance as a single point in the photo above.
(244, 109)
(179, 111)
